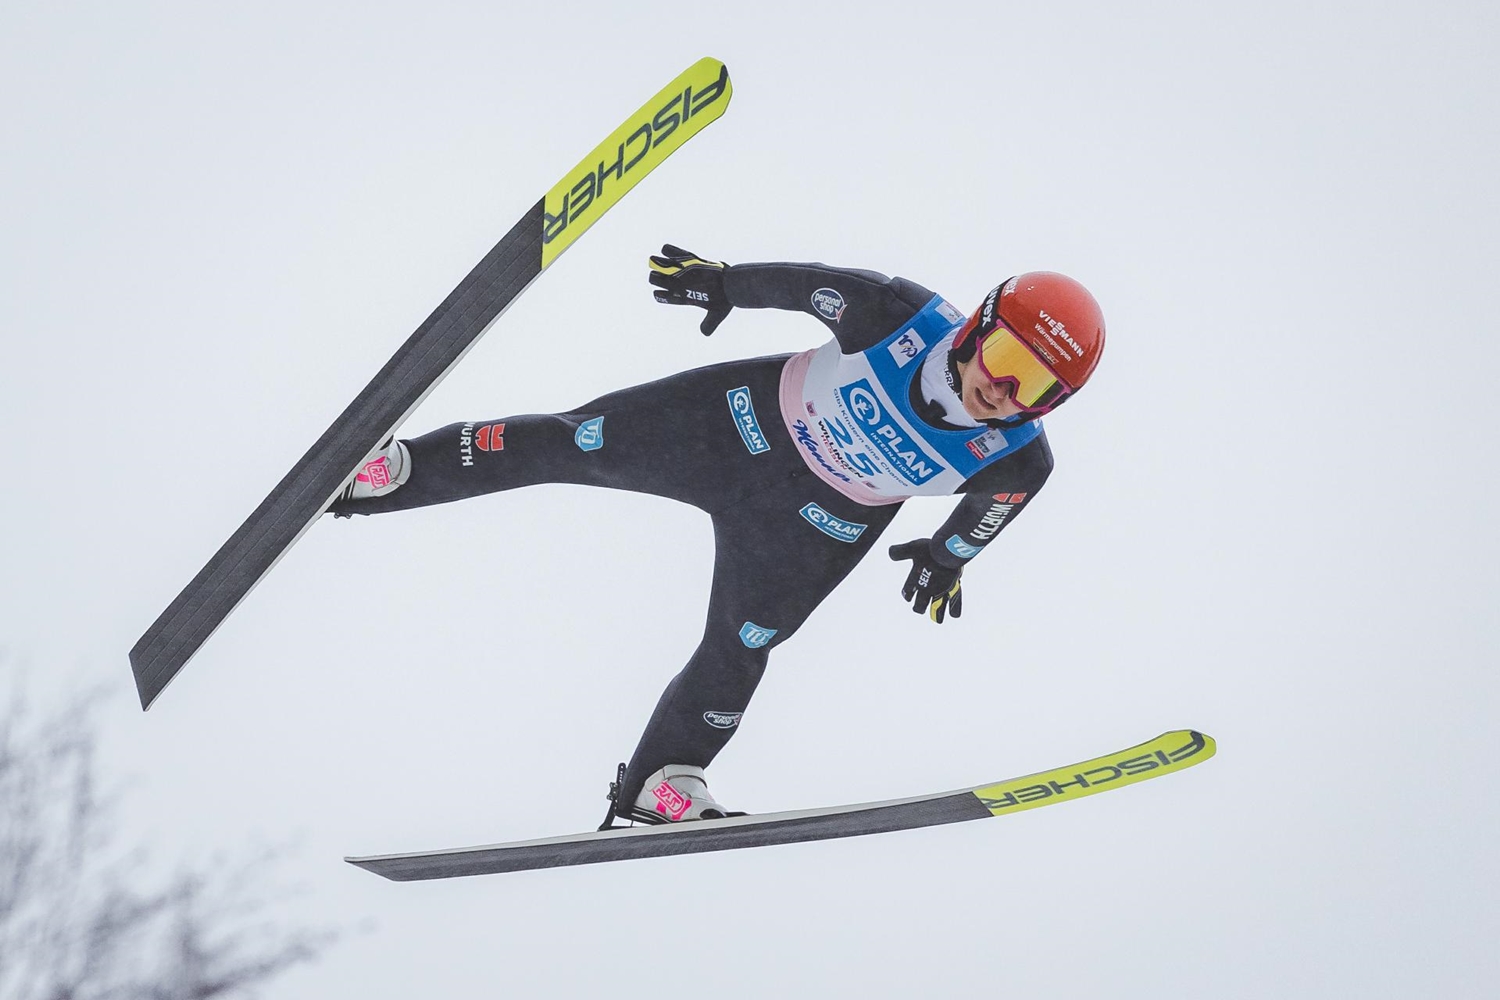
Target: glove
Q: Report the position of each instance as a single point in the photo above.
(929, 586)
(689, 280)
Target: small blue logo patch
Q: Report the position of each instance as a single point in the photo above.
(753, 636)
(829, 304)
(743, 412)
(961, 548)
(590, 435)
(832, 526)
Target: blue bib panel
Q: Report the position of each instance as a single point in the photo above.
(869, 435)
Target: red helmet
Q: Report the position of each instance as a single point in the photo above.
(1040, 332)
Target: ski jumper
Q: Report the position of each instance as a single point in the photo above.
(801, 461)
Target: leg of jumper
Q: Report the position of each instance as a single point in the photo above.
(675, 437)
(772, 567)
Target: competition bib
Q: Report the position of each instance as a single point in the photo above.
(861, 431)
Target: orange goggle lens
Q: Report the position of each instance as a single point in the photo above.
(1003, 358)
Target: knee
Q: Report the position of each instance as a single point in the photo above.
(742, 648)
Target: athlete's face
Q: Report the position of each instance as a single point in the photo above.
(983, 399)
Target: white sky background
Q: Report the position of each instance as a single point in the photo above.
(1270, 520)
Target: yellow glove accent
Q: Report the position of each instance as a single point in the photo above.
(939, 602)
(684, 265)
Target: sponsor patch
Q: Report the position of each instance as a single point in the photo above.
(832, 525)
(949, 312)
(987, 443)
(810, 445)
(743, 411)
(722, 720)
(376, 473)
(590, 434)
(1060, 332)
(490, 437)
(908, 460)
(670, 802)
(754, 636)
(829, 304)
(992, 522)
(906, 347)
(994, 518)
(961, 548)
(466, 443)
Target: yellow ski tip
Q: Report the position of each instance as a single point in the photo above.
(1173, 751)
(679, 111)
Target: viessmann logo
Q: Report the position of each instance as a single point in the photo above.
(650, 133)
(1061, 332)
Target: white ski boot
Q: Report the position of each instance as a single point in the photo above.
(676, 794)
(387, 469)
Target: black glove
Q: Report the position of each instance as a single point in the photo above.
(929, 583)
(690, 280)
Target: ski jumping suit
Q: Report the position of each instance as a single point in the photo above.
(801, 461)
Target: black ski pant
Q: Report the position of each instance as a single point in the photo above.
(714, 438)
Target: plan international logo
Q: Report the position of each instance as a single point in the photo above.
(743, 411)
(889, 438)
(831, 525)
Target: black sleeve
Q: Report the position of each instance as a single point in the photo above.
(992, 498)
(860, 308)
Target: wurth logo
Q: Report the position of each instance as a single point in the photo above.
(994, 518)
(466, 444)
(490, 437)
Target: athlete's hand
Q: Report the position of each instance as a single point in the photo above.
(929, 586)
(689, 280)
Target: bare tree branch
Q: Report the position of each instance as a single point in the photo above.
(77, 922)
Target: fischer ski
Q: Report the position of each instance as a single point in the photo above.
(1169, 752)
(662, 125)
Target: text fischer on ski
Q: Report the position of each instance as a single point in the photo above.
(801, 460)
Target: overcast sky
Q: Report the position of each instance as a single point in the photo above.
(1271, 519)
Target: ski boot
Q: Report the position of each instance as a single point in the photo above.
(678, 793)
(386, 470)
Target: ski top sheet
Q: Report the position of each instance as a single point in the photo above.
(1169, 752)
(661, 126)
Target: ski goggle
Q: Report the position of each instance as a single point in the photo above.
(1005, 359)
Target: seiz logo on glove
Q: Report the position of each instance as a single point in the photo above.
(930, 586)
(685, 279)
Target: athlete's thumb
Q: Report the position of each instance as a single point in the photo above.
(711, 322)
(908, 550)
